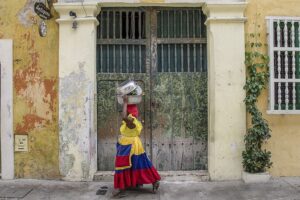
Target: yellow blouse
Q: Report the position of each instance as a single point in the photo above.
(125, 131)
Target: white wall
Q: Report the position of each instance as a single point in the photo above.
(7, 147)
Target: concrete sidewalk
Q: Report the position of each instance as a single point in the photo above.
(278, 188)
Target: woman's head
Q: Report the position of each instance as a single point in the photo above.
(133, 110)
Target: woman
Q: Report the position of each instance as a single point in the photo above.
(132, 166)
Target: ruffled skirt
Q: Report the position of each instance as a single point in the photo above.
(133, 167)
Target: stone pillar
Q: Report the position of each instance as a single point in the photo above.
(77, 90)
(226, 78)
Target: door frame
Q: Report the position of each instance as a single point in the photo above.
(151, 43)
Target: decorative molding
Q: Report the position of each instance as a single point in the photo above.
(88, 19)
(225, 12)
(226, 20)
(83, 10)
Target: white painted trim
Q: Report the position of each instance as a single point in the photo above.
(286, 48)
(81, 9)
(221, 4)
(282, 80)
(85, 19)
(283, 112)
(7, 146)
(226, 19)
(165, 4)
(288, 18)
(271, 49)
(225, 7)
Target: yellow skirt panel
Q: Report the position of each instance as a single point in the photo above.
(136, 144)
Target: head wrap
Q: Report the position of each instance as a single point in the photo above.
(133, 110)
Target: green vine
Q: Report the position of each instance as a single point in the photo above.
(256, 159)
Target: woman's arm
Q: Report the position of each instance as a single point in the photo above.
(129, 122)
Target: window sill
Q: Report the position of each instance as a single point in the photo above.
(283, 112)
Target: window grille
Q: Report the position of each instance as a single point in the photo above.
(181, 39)
(121, 41)
(284, 53)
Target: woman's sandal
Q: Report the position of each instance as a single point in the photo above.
(155, 186)
(119, 194)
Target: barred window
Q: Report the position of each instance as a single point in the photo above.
(284, 53)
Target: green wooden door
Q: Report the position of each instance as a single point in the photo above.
(179, 90)
(165, 51)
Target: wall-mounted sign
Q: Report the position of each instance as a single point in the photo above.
(42, 11)
(21, 143)
(42, 28)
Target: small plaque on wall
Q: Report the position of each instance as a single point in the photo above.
(21, 143)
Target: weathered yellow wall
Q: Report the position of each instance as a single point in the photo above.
(35, 87)
(284, 143)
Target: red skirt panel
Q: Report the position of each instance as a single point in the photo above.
(141, 172)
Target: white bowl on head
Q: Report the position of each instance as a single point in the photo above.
(132, 99)
(126, 87)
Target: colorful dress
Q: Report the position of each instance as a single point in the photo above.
(132, 165)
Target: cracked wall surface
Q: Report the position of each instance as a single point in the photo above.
(75, 113)
(35, 79)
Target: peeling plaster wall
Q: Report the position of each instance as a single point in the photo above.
(75, 118)
(35, 76)
(284, 143)
(77, 88)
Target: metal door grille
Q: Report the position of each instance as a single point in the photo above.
(181, 40)
(121, 41)
(118, 58)
(181, 57)
(180, 23)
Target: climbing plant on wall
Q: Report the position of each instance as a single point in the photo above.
(255, 158)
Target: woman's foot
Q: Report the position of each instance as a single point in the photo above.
(119, 194)
(155, 186)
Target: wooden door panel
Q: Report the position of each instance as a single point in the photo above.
(108, 123)
(179, 121)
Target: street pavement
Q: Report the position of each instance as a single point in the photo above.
(287, 188)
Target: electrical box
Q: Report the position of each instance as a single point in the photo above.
(21, 143)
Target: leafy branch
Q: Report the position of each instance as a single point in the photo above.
(256, 159)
